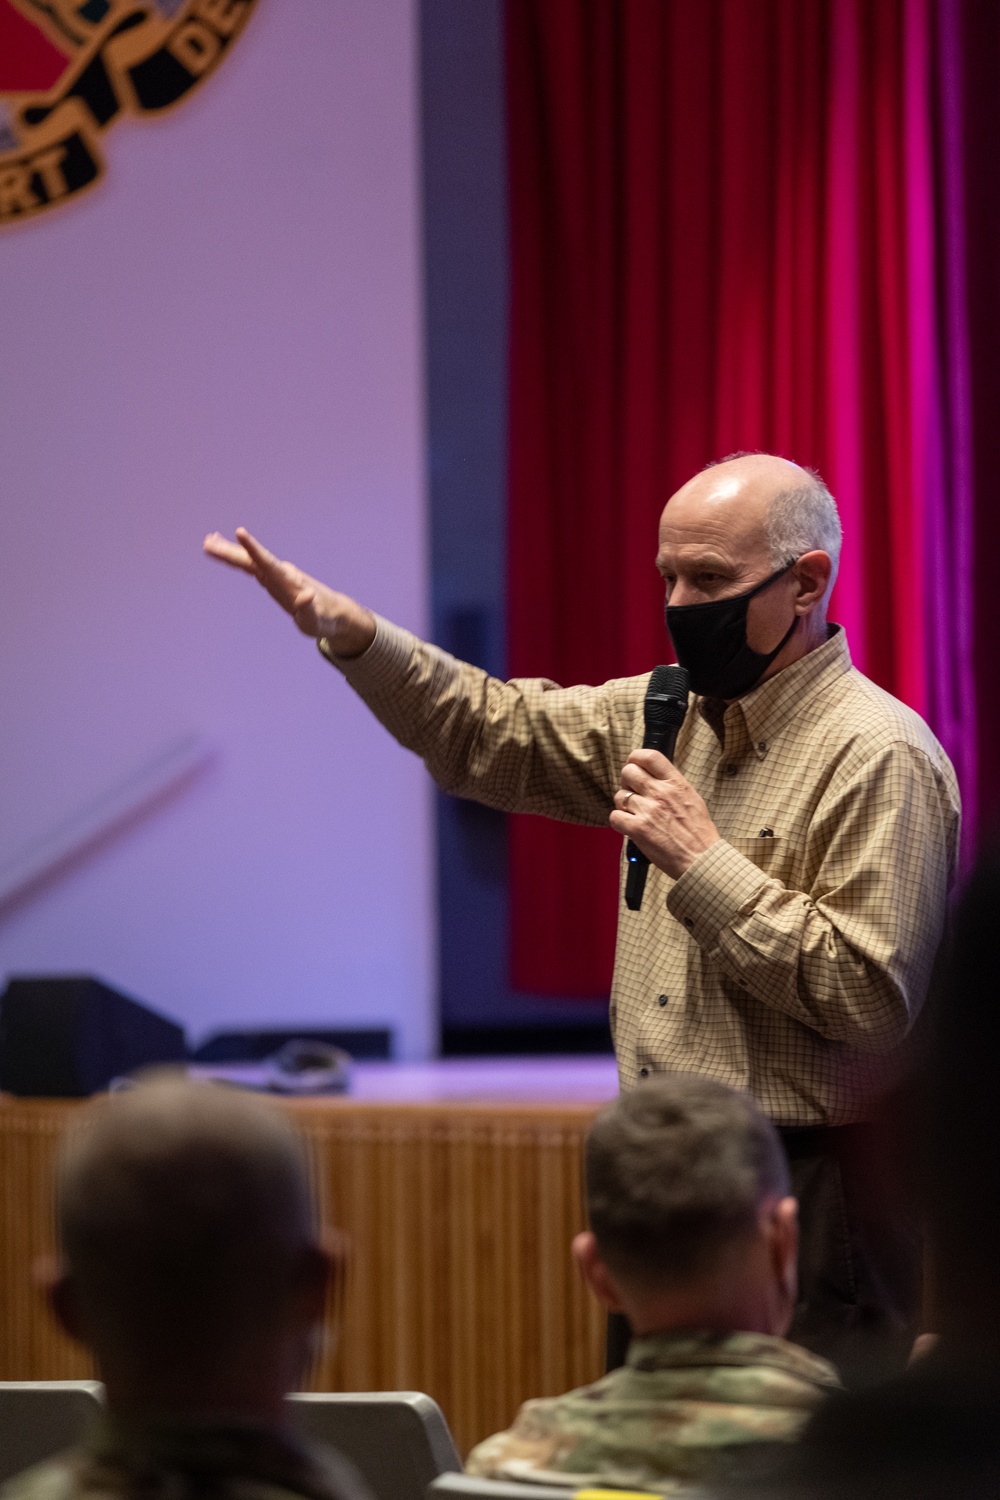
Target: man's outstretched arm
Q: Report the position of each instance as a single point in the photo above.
(525, 746)
(318, 611)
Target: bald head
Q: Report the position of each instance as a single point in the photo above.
(763, 507)
(183, 1211)
(740, 486)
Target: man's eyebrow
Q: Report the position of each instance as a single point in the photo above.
(710, 561)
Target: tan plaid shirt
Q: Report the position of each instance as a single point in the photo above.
(792, 957)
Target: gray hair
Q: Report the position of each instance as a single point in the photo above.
(801, 519)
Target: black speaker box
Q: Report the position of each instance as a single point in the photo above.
(66, 1036)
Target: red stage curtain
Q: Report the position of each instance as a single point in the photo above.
(980, 54)
(723, 227)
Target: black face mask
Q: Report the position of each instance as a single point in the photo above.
(711, 642)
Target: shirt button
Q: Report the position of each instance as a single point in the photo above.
(643, 1072)
(663, 999)
(762, 747)
(731, 770)
(688, 923)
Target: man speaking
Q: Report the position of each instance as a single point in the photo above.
(801, 845)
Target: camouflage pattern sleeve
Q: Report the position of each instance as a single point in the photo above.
(537, 1440)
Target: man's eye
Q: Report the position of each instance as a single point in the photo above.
(709, 578)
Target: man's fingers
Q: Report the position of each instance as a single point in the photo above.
(215, 545)
(643, 776)
(634, 778)
(265, 561)
(316, 610)
(283, 580)
(637, 779)
(626, 797)
(247, 554)
(630, 827)
(654, 764)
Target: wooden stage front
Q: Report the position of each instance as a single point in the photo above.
(457, 1187)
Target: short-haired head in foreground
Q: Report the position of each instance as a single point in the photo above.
(189, 1253)
(690, 1209)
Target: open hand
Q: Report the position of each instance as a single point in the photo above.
(660, 811)
(317, 610)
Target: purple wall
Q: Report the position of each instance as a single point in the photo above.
(227, 330)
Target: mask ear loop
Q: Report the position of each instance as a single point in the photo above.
(784, 639)
(766, 583)
(795, 619)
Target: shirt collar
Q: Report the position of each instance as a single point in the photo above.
(767, 708)
(687, 1348)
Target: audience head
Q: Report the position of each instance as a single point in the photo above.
(691, 1219)
(190, 1266)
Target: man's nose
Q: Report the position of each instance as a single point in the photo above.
(684, 593)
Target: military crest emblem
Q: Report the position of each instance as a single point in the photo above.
(69, 69)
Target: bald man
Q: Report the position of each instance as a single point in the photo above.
(802, 845)
(191, 1271)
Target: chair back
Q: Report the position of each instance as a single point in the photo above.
(39, 1418)
(398, 1440)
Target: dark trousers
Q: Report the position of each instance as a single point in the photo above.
(860, 1252)
(860, 1249)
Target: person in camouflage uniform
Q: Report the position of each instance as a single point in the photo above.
(192, 1273)
(694, 1237)
(183, 1459)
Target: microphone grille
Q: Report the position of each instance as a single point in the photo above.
(666, 697)
(668, 682)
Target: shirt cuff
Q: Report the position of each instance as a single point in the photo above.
(381, 663)
(713, 891)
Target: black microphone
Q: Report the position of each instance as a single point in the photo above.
(664, 709)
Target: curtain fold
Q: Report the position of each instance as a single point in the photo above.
(734, 224)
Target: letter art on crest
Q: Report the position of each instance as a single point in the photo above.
(71, 68)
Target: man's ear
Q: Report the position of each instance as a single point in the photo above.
(59, 1291)
(320, 1270)
(813, 571)
(594, 1272)
(784, 1237)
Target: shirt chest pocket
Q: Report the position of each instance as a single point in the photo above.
(768, 853)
